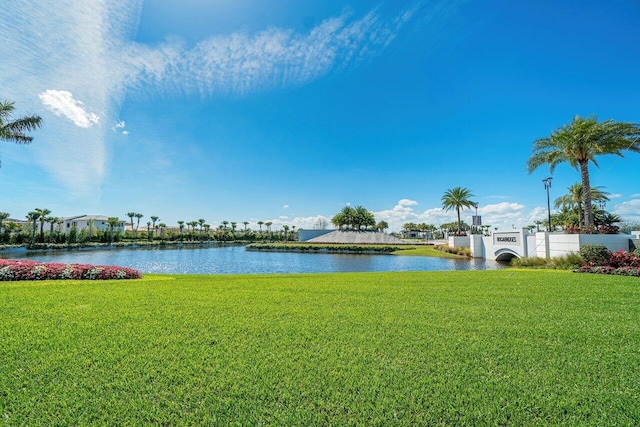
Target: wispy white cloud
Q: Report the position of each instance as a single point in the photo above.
(615, 196)
(240, 63)
(285, 206)
(62, 103)
(86, 51)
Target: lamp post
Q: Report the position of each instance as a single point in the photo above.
(475, 221)
(547, 186)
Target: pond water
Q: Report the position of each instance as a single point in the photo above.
(237, 260)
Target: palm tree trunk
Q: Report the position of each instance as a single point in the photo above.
(580, 215)
(459, 227)
(586, 194)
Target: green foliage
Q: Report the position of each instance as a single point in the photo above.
(595, 254)
(354, 218)
(331, 248)
(500, 347)
(564, 262)
(454, 250)
(579, 143)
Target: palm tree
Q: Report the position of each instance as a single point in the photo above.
(201, 223)
(574, 199)
(153, 224)
(113, 223)
(15, 130)
(138, 216)
(52, 220)
(181, 226)
(260, 225)
(131, 215)
(578, 143)
(268, 225)
(382, 225)
(163, 227)
(33, 217)
(457, 198)
(286, 231)
(43, 214)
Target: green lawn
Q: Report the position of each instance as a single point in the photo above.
(462, 348)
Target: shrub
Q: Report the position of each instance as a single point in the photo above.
(595, 255)
(624, 259)
(454, 250)
(34, 270)
(566, 262)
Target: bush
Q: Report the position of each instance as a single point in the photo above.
(595, 255)
(13, 270)
(454, 250)
(566, 262)
(620, 263)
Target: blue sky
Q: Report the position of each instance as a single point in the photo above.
(285, 111)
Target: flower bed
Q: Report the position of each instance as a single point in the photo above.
(620, 263)
(11, 269)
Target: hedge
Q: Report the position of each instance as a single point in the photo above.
(14, 270)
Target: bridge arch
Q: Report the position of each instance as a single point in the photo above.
(506, 255)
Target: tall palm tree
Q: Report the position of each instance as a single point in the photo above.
(193, 225)
(131, 215)
(245, 226)
(260, 225)
(457, 198)
(201, 222)
(33, 217)
(14, 130)
(43, 214)
(138, 217)
(575, 199)
(181, 226)
(578, 143)
(153, 224)
(52, 220)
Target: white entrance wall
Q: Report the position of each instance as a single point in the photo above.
(504, 245)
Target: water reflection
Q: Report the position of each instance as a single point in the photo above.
(237, 260)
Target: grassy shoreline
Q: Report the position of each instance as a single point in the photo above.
(516, 347)
(409, 250)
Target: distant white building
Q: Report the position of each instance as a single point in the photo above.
(82, 222)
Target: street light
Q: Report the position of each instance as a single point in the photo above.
(475, 222)
(547, 186)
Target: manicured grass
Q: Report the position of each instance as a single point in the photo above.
(460, 348)
(427, 250)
